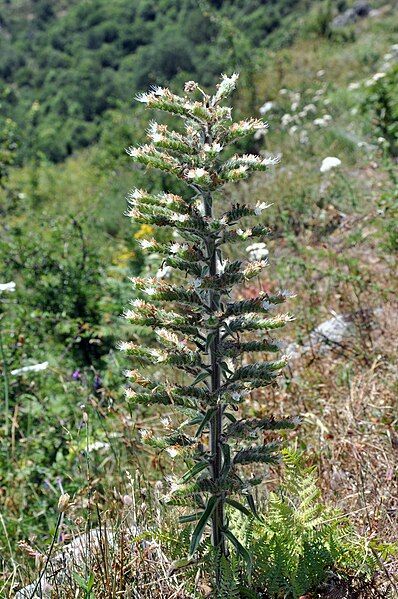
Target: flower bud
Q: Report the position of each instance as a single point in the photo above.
(63, 502)
(190, 86)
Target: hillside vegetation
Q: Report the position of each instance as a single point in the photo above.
(69, 72)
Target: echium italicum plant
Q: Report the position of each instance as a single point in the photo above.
(201, 328)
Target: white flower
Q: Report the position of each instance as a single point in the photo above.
(226, 86)
(7, 286)
(163, 272)
(354, 85)
(196, 173)
(145, 244)
(172, 451)
(180, 218)
(323, 121)
(258, 251)
(175, 248)
(266, 107)
(260, 133)
(244, 233)
(260, 207)
(97, 445)
(214, 148)
(309, 108)
(150, 290)
(329, 163)
(303, 137)
(32, 368)
(374, 78)
(286, 119)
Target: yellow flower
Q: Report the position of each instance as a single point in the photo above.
(144, 232)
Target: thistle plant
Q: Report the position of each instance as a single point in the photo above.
(201, 325)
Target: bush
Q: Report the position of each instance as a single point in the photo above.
(382, 102)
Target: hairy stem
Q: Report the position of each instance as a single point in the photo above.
(216, 423)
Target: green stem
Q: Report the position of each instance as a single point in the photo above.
(55, 536)
(350, 189)
(6, 383)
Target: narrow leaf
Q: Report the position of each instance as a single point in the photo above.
(198, 532)
(193, 471)
(242, 551)
(239, 506)
(201, 377)
(190, 518)
(206, 419)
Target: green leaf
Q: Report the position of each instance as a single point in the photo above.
(205, 420)
(230, 416)
(252, 506)
(226, 450)
(198, 532)
(239, 506)
(242, 551)
(190, 518)
(193, 471)
(201, 377)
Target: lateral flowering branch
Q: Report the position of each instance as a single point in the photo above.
(199, 327)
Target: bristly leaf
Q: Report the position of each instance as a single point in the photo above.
(199, 529)
(242, 551)
(199, 467)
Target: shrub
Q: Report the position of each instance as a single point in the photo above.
(382, 103)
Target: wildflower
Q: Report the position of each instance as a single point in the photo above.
(226, 86)
(127, 500)
(96, 446)
(374, 78)
(76, 375)
(163, 272)
(172, 451)
(198, 175)
(329, 163)
(260, 133)
(260, 206)
(354, 85)
(7, 286)
(303, 138)
(309, 108)
(286, 119)
(190, 87)
(258, 251)
(266, 107)
(63, 502)
(32, 368)
(144, 231)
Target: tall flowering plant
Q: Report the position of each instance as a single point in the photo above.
(200, 326)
